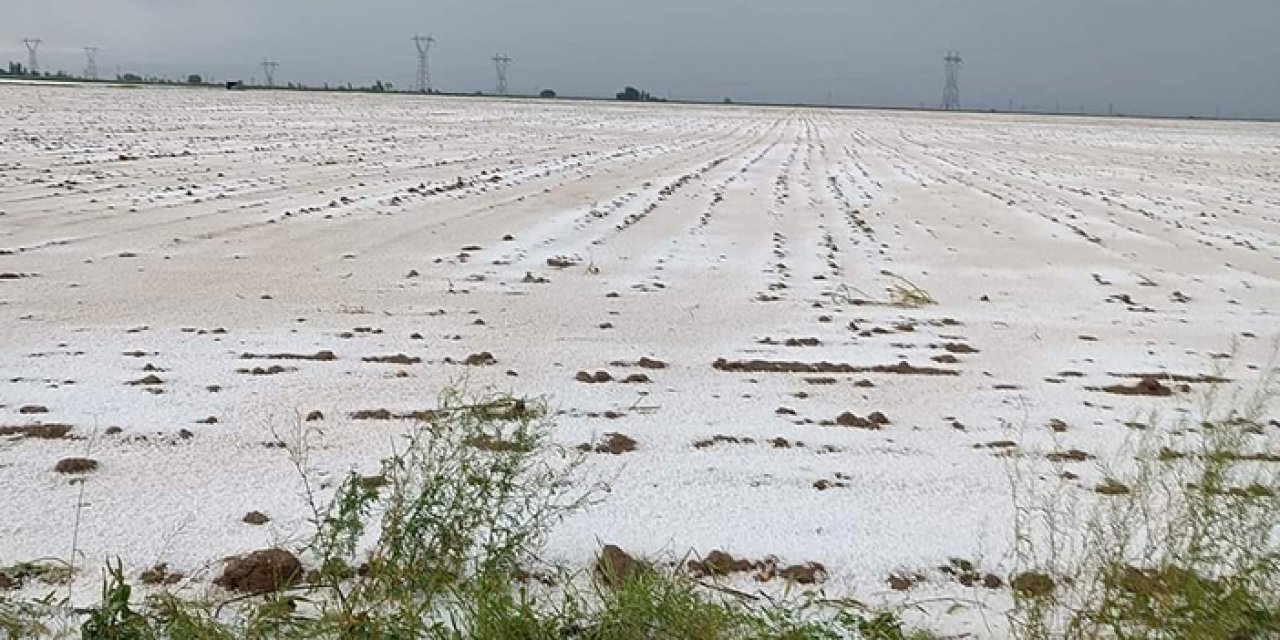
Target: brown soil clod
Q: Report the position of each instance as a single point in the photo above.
(319, 356)
(637, 378)
(1032, 584)
(718, 564)
(272, 370)
(32, 409)
(38, 431)
(256, 518)
(1112, 487)
(808, 573)
(151, 380)
(560, 262)
(75, 465)
(160, 575)
(958, 347)
(598, 377)
(650, 363)
(613, 444)
(904, 582)
(399, 358)
(482, 359)
(615, 567)
(875, 421)
(1070, 455)
(263, 571)
(1144, 387)
(766, 366)
(315, 416)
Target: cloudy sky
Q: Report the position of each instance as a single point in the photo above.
(1174, 57)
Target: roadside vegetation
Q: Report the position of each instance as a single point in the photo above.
(444, 542)
(1181, 539)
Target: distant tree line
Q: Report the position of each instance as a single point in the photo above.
(632, 94)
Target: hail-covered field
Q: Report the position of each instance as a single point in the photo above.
(186, 275)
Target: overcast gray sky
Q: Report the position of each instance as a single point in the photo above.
(1172, 57)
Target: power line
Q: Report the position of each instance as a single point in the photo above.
(424, 62)
(269, 70)
(33, 59)
(91, 63)
(501, 62)
(951, 92)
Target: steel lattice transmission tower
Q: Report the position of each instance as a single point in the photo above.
(951, 92)
(502, 62)
(269, 69)
(424, 62)
(91, 63)
(33, 59)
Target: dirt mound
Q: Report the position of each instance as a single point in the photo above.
(33, 408)
(262, 571)
(256, 518)
(599, 377)
(482, 359)
(76, 465)
(151, 380)
(272, 370)
(875, 421)
(616, 567)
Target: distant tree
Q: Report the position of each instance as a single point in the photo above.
(130, 77)
(728, 100)
(378, 86)
(630, 94)
(195, 79)
(547, 93)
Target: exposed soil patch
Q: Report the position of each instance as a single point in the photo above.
(721, 439)
(616, 567)
(637, 378)
(482, 359)
(719, 564)
(1070, 455)
(766, 366)
(33, 409)
(1112, 487)
(599, 377)
(964, 572)
(39, 432)
(386, 414)
(399, 358)
(262, 571)
(958, 347)
(613, 444)
(320, 356)
(160, 575)
(256, 518)
(149, 381)
(875, 421)
(792, 342)
(1032, 584)
(1144, 387)
(1173, 377)
(272, 370)
(76, 465)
